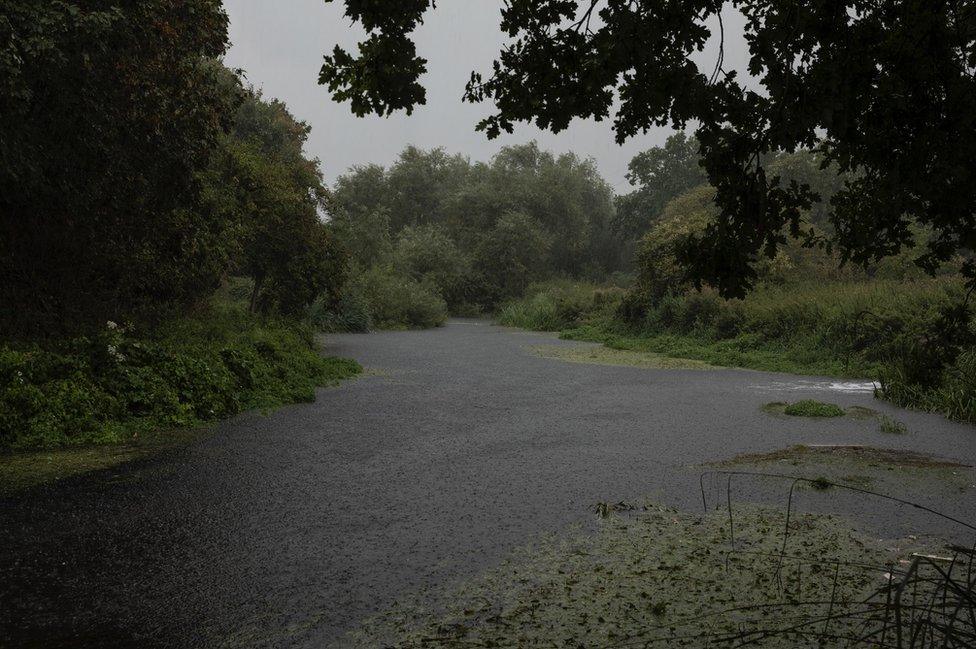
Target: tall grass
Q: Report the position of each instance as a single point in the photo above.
(559, 304)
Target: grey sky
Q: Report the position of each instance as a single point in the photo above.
(280, 44)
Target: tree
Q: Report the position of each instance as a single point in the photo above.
(883, 90)
(428, 254)
(420, 182)
(274, 194)
(564, 195)
(111, 113)
(364, 235)
(659, 271)
(361, 191)
(510, 256)
(660, 174)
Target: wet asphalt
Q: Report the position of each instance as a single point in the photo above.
(459, 444)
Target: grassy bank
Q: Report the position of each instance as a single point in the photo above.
(121, 383)
(857, 329)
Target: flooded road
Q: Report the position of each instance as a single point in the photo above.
(456, 446)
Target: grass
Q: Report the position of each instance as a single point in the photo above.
(747, 352)
(891, 426)
(845, 329)
(811, 408)
(649, 576)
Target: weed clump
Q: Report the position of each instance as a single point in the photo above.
(891, 426)
(812, 408)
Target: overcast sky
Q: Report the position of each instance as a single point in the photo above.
(280, 45)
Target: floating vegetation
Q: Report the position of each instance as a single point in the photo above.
(600, 355)
(660, 577)
(812, 408)
(817, 409)
(867, 455)
(858, 466)
(860, 412)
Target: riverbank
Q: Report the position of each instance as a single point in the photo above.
(884, 330)
(75, 405)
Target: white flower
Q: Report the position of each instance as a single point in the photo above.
(111, 325)
(115, 353)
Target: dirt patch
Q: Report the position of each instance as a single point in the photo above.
(600, 355)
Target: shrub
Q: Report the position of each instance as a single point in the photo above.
(107, 387)
(351, 313)
(556, 305)
(811, 408)
(658, 270)
(400, 302)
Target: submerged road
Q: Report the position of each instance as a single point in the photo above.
(458, 445)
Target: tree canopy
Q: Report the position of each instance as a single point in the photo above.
(883, 90)
(110, 114)
(478, 233)
(136, 173)
(660, 174)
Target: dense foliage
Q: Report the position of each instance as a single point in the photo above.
(136, 176)
(807, 314)
(110, 114)
(884, 90)
(470, 235)
(263, 185)
(136, 173)
(113, 384)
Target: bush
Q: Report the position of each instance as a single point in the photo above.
(351, 314)
(556, 305)
(109, 386)
(397, 302)
(659, 272)
(811, 408)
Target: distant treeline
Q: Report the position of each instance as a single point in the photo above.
(462, 237)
